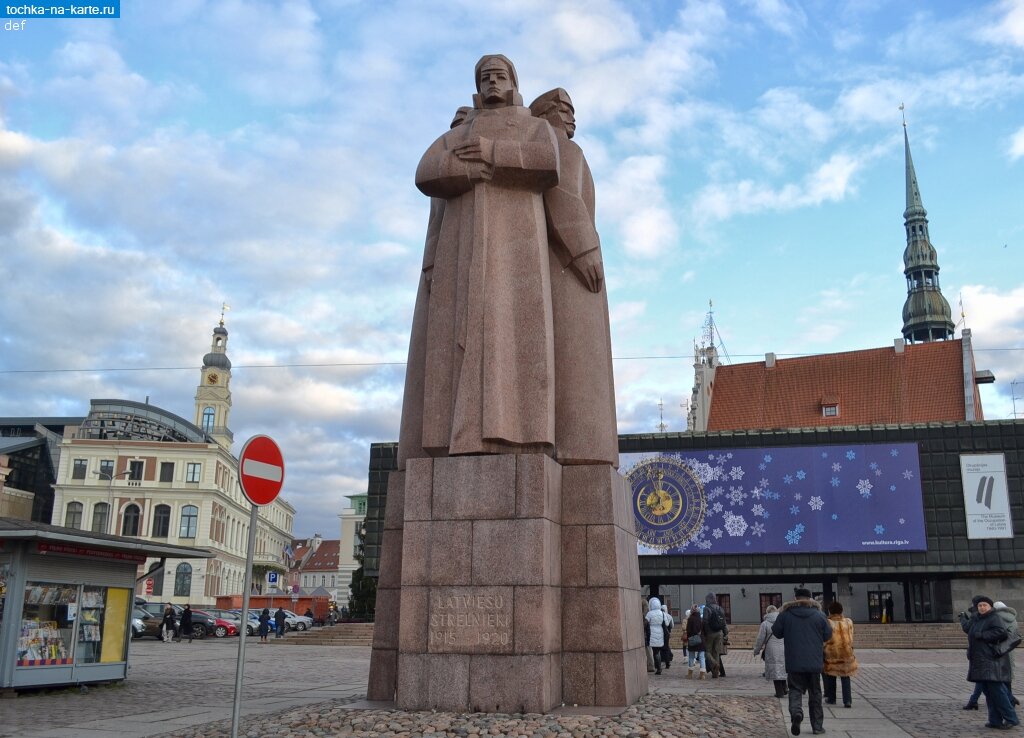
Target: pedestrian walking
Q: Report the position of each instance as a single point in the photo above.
(772, 651)
(1009, 617)
(264, 628)
(889, 608)
(186, 623)
(647, 635)
(656, 629)
(167, 626)
(989, 661)
(804, 628)
(279, 622)
(666, 650)
(695, 643)
(716, 630)
(840, 661)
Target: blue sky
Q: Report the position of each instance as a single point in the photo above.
(263, 153)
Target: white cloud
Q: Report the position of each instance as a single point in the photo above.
(830, 182)
(779, 15)
(634, 198)
(1017, 144)
(1008, 26)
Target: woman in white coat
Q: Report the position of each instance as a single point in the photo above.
(655, 620)
(774, 652)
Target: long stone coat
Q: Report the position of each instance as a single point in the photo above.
(487, 378)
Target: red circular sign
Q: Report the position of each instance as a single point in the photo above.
(261, 470)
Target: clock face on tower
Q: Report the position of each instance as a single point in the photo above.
(212, 378)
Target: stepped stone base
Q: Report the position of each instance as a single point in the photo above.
(512, 585)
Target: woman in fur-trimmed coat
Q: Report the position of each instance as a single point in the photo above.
(774, 652)
(840, 660)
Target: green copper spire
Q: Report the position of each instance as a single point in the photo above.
(926, 314)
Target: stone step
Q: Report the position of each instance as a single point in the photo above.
(343, 634)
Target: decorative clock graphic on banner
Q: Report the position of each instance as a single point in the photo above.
(668, 501)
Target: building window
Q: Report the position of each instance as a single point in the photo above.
(193, 471)
(189, 521)
(73, 515)
(78, 471)
(830, 411)
(725, 602)
(768, 599)
(130, 521)
(100, 515)
(161, 521)
(107, 469)
(323, 580)
(208, 417)
(332, 580)
(135, 470)
(183, 580)
(167, 471)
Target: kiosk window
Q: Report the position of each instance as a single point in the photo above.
(101, 625)
(47, 623)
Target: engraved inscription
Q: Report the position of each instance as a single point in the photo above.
(470, 622)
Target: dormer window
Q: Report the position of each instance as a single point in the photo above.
(829, 407)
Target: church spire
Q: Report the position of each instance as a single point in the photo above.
(926, 314)
(213, 396)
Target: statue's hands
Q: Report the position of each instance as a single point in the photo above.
(478, 152)
(589, 270)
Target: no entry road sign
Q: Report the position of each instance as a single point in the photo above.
(261, 470)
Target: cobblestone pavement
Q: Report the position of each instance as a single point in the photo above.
(300, 691)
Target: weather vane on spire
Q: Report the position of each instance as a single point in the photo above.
(224, 307)
(902, 109)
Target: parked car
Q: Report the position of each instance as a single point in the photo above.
(148, 624)
(298, 622)
(233, 618)
(202, 625)
(221, 626)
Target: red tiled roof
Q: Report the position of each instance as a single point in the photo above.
(325, 558)
(923, 384)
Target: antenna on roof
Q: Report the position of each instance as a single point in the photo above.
(963, 314)
(709, 332)
(661, 416)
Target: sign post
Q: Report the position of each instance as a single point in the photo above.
(261, 476)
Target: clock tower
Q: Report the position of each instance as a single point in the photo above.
(213, 396)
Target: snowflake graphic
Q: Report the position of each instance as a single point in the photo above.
(704, 545)
(735, 525)
(879, 529)
(873, 465)
(747, 544)
(794, 510)
(851, 455)
(837, 467)
(757, 511)
(902, 521)
(776, 496)
(764, 483)
(766, 515)
(715, 493)
(894, 452)
(736, 495)
(908, 474)
(736, 472)
(767, 458)
(835, 516)
(717, 532)
(835, 481)
(788, 479)
(758, 530)
(717, 507)
(797, 496)
(864, 487)
(755, 494)
(799, 528)
(762, 466)
(801, 475)
(729, 455)
(792, 537)
(824, 454)
(878, 472)
(892, 487)
(816, 503)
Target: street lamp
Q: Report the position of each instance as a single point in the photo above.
(110, 495)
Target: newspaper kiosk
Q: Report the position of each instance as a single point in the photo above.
(66, 600)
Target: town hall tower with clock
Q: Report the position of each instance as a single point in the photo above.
(213, 396)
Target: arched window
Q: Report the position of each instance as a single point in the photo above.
(161, 521)
(100, 515)
(73, 515)
(208, 417)
(183, 580)
(189, 521)
(130, 521)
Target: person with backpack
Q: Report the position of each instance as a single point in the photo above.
(656, 627)
(695, 643)
(715, 632)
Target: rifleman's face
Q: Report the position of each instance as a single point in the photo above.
(495, 82)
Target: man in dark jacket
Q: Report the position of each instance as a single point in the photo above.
(988, 665)
(280, 622)
(804, 629)
(715, 632)
(186, 623)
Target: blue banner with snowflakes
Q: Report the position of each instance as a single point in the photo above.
(778, 500)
